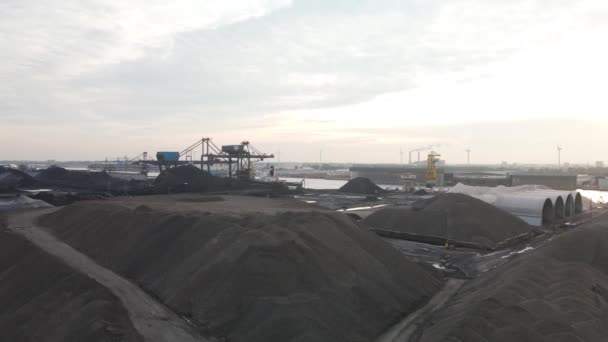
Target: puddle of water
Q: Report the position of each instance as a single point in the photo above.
(519, 252)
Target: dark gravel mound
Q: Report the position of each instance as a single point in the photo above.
(306, 276)
(361, 186)
(59, 199)
(186, 178)
(556, 293)
(11, 179)
(41, 299)
(454, 216)
(59, 177)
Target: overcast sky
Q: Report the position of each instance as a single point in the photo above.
(358, 79)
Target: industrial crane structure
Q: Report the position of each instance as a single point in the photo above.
(431, 168)
(239, 157)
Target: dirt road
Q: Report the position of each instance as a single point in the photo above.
(406, 329)
(154, 321)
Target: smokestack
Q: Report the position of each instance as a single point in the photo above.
(418, 156)
(410, 157)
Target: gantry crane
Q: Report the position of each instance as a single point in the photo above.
(238, 157)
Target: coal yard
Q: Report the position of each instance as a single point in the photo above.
(190, 255)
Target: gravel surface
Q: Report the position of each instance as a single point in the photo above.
(281, 272)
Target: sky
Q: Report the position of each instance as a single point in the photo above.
(360, 80)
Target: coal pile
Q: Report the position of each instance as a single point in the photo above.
(41, 299)
(293, 276)
(556, 293)
(362, 186)
(71, 179)
(59, 199)
(12, 179)
(186, 178)
(452, 216)
(21, 202)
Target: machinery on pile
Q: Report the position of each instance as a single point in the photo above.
(431, 169)
(238, 158)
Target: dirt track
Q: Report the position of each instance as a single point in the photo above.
(153, 321)
(404, 330)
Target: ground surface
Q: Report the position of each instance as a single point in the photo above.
(451, 216)
(215, 204)
(151, 319)
(251, 269)
(558, 292)
(42, 299)
(409, 327)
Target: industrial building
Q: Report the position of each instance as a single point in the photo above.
(392, 174)
(450, 175)
(553, 181)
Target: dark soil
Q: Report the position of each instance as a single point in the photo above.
(12, 179)
(41, 299)
(307, 276)
(59, 177)
(452, 216)
(362, 186)
(59, 199)
(187, 178)
(556, 293)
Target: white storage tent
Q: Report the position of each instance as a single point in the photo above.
(535, 210)
(536, 205)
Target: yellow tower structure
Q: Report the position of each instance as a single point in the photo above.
(431, 167)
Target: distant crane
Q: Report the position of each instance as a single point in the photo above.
(420, 149)
(431, 168)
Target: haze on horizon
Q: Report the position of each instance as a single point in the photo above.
(360, 80)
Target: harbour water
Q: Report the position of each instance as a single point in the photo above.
(327, 184)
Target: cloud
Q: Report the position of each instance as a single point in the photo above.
(334, 72)
(47, 47)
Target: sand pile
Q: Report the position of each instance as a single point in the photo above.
(60, 177)
(41, 299)
(361, 186)
(186, 178)
(454, 216)
(11, 179)
(293, 276)
(556, 293)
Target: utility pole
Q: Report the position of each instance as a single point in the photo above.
(468, 156)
